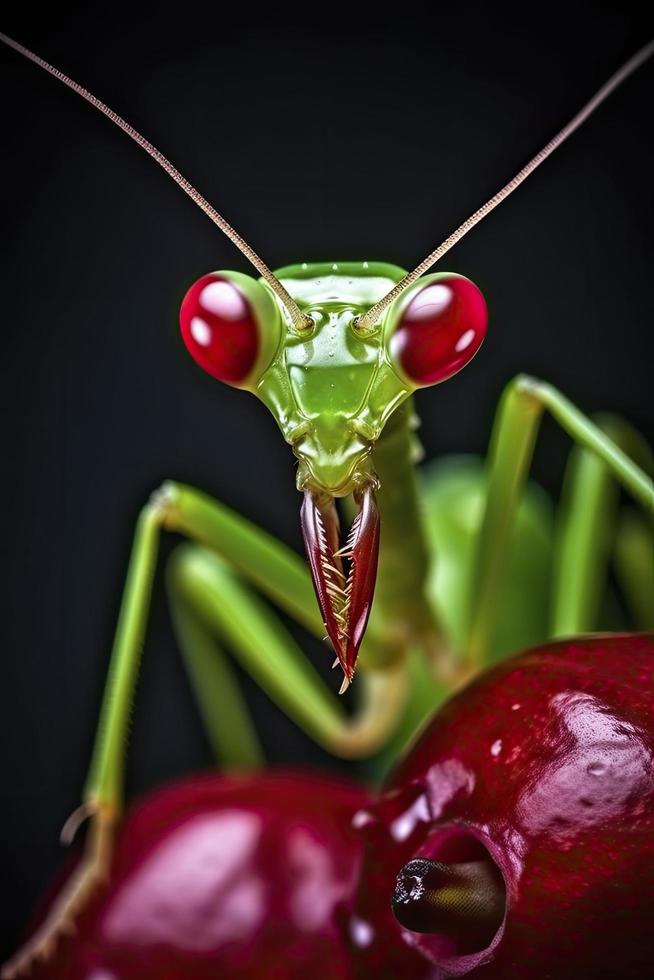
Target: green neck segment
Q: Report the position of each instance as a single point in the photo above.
(403, 553)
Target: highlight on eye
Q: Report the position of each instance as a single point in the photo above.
(437, 329)
(230, 327)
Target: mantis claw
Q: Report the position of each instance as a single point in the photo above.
(344, 596)
(90, 875)
(74, 822)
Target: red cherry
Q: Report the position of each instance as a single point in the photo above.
(440, 330)
(219, 876)
(219, 328)
(537, 783)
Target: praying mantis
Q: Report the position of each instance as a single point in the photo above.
(330, 348)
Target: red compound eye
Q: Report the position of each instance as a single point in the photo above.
(220, 328)
(440, 330)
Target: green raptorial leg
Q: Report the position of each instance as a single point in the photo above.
(512, 446)
(218, 588)
(634, 565)
(248, 555)
(587, 531)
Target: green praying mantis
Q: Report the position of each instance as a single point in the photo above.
(336, 351)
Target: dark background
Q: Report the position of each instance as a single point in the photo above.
(342, 136)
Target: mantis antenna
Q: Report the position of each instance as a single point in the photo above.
(367, 322)
(300, 320)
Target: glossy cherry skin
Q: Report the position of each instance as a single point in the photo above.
(544, 765)
(219, 328)
(220, 876)
(440, 330)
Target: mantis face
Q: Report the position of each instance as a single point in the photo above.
(331, 387)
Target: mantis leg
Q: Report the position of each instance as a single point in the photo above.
(226, 720)
(211, 596)
(512, 445)
(247, 555)
(587, 535)
(279, 574)
(633, 550)
(209, 600)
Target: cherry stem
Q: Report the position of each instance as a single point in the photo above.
(464, 901)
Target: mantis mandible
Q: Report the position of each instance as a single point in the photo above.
(336, 351)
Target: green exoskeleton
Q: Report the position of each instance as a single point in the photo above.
(335, 351)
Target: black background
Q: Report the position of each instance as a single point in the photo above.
(330, 136)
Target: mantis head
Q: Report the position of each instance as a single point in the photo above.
(332, 382)
(332, 350)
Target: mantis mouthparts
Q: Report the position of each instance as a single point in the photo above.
(343, 577)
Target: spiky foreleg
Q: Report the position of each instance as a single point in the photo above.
(88, 877)
(214, 598)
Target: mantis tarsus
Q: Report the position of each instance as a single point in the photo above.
(352, 435)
